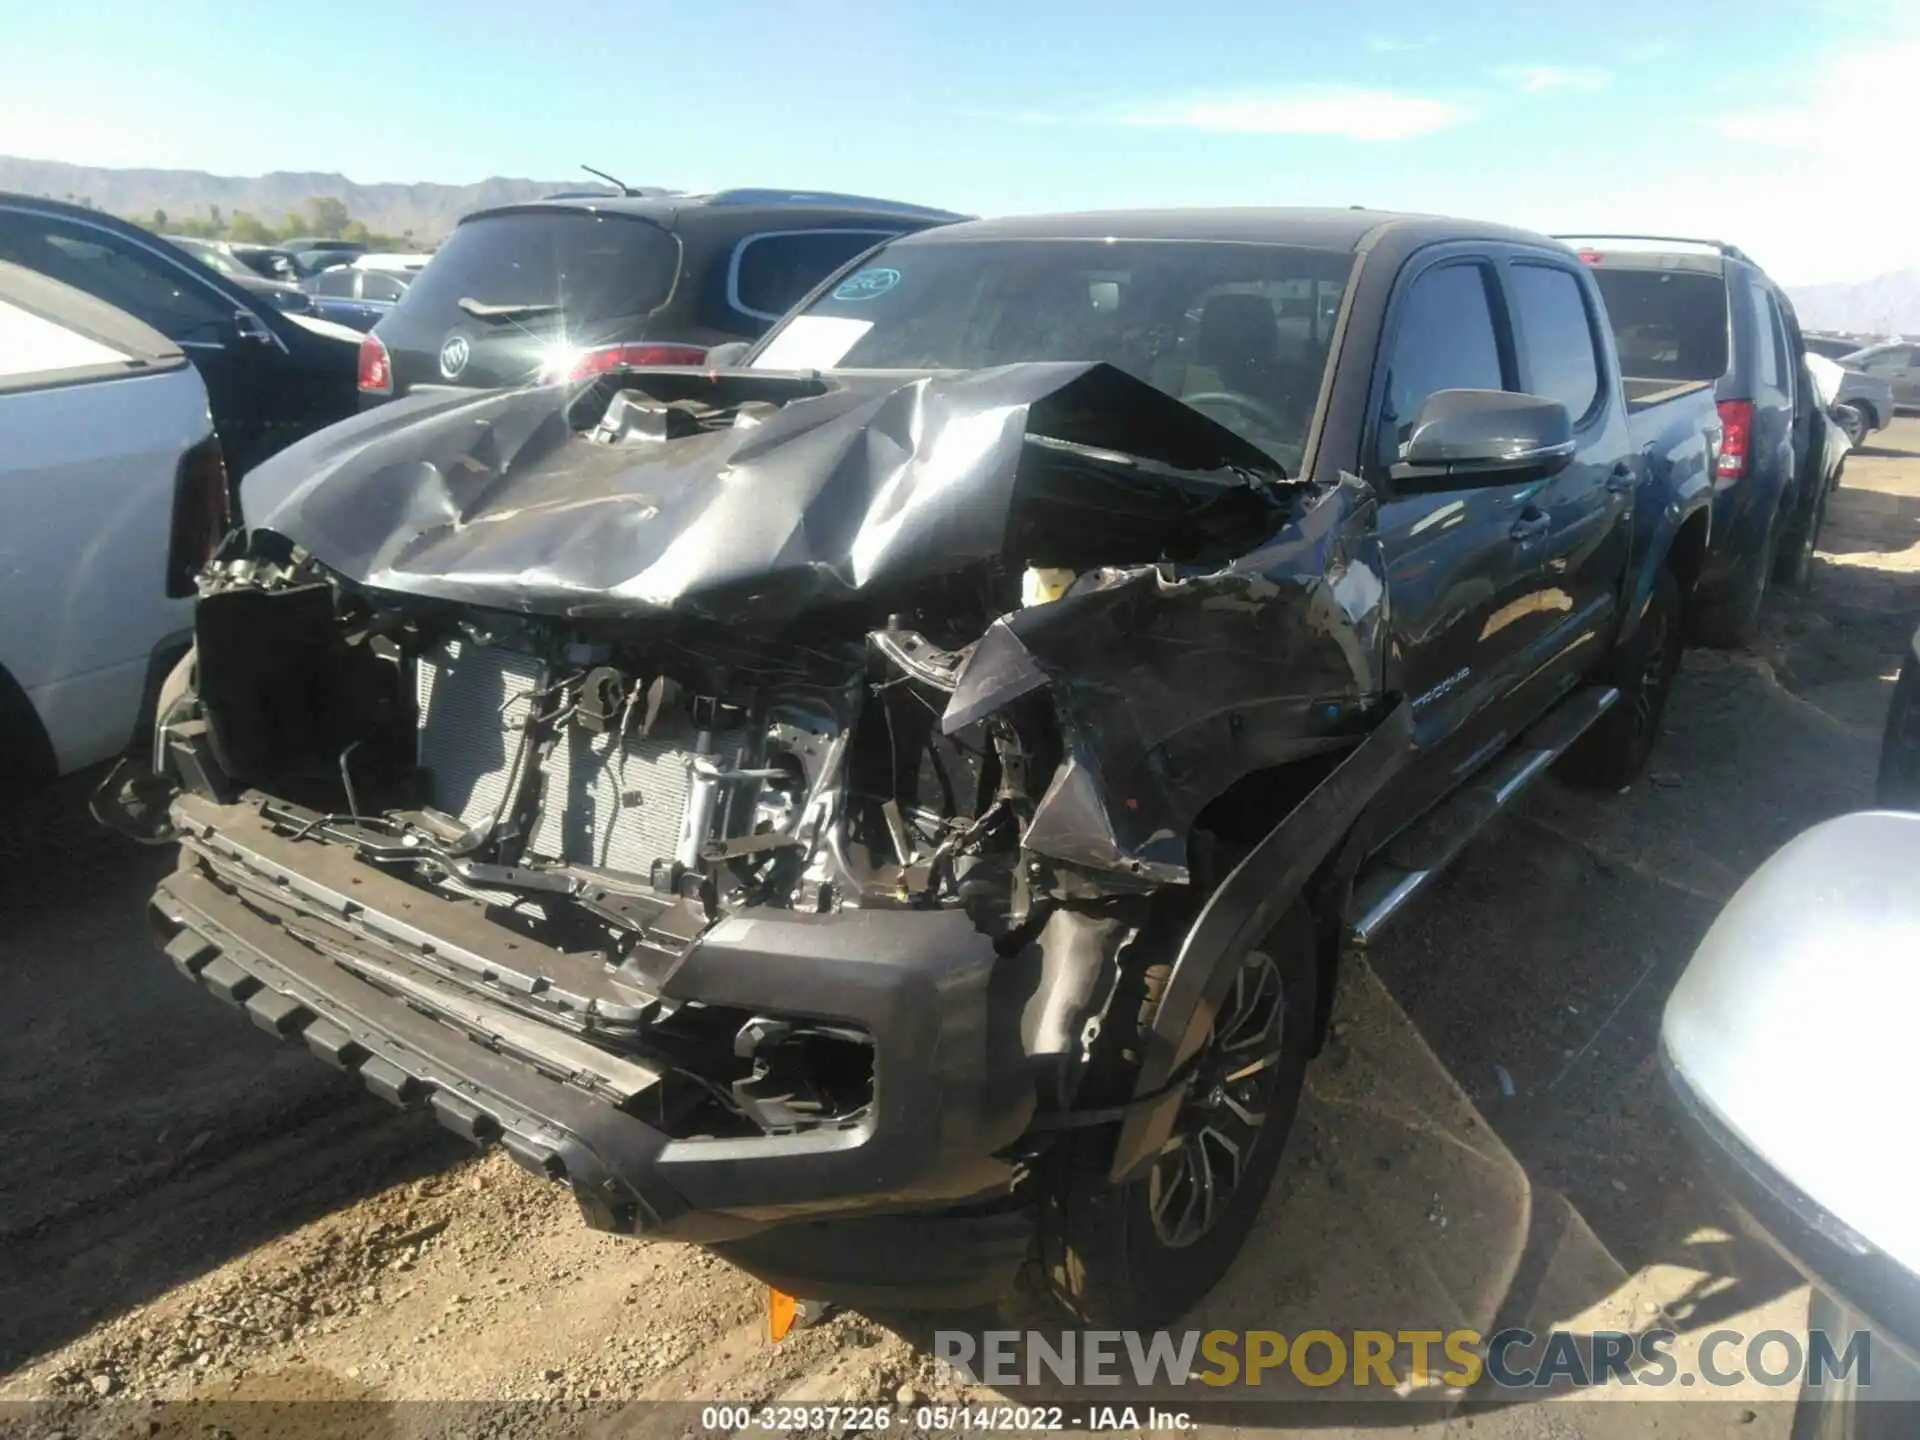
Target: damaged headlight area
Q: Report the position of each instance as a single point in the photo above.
(597, 803)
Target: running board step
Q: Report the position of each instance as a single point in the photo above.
(1432, 843)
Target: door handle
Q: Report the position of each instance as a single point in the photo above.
(1532, 525)
(1622, 478)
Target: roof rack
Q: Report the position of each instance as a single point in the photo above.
(760, 196)
(1720, 247)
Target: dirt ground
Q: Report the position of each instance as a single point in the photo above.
(189, 1211)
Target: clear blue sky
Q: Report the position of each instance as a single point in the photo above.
(1771, 122)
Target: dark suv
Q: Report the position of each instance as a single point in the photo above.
(1685, 311)
(576, 285)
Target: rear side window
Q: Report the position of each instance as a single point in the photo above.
(1667, 324)
(375, 286)
(1778, 329)
(1766, 348)
(334, 284)
(1562, 363)
(1446, 339)
(567, 271)
(770, 273)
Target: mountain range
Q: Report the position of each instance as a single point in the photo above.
(1884, 305)
(426, 210)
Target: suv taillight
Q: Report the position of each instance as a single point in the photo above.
(202, 515)
(1736, 438)
(376, 367)
(618, 357)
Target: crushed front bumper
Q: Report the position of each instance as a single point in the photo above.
(264, 921)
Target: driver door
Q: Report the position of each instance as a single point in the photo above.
(152, 288)
(1450, 553)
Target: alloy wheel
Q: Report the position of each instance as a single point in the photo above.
(1200, 1167)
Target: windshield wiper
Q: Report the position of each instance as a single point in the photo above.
(481, 310)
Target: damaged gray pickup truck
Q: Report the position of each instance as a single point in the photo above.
(891, 811)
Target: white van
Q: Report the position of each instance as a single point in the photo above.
(112, 496)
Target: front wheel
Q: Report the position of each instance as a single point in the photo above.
(1137, 1256)
(1617, 745)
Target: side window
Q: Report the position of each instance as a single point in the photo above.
(1766, 358)
(118, 272)
(771, 272)
(375, 286)
(335, 284)
(1445, 339)
(1778, 330)
(1563, 362)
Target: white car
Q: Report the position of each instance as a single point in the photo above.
(400, 262)
(112, 496)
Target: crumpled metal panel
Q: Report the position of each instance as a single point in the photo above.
(1173, 682)
(498, 501)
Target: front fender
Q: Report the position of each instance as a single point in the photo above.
(1245, 907)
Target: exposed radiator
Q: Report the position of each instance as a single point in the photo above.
(614, 806)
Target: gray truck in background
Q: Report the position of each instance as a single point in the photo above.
(1700, 310)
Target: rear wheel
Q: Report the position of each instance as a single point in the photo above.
(1617, 745)
(1794, 564)
(1138, 1255)
(1732, 618)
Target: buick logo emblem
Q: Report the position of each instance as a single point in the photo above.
(454, 356)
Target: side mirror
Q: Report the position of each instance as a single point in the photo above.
(1465, 437)
(723, 357)
(249, 326)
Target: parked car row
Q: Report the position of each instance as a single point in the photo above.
(905, 714)
(918, 769)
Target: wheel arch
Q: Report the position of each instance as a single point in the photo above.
(27, 756)
(1303, 854)
(1687, 552)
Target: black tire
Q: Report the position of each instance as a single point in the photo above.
(1793, 565)
(1615, 749)
(1898, 787)
(1113, 1255)
(1849, 1406)
(27, 761)
(1730, 620)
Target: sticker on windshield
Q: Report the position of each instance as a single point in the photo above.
(812, 342)
(866, 284)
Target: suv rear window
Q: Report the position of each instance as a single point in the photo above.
(595, 268)
(1667, 324)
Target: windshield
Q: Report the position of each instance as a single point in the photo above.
(1239, 332)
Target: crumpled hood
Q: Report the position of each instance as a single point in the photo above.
(817, 492)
